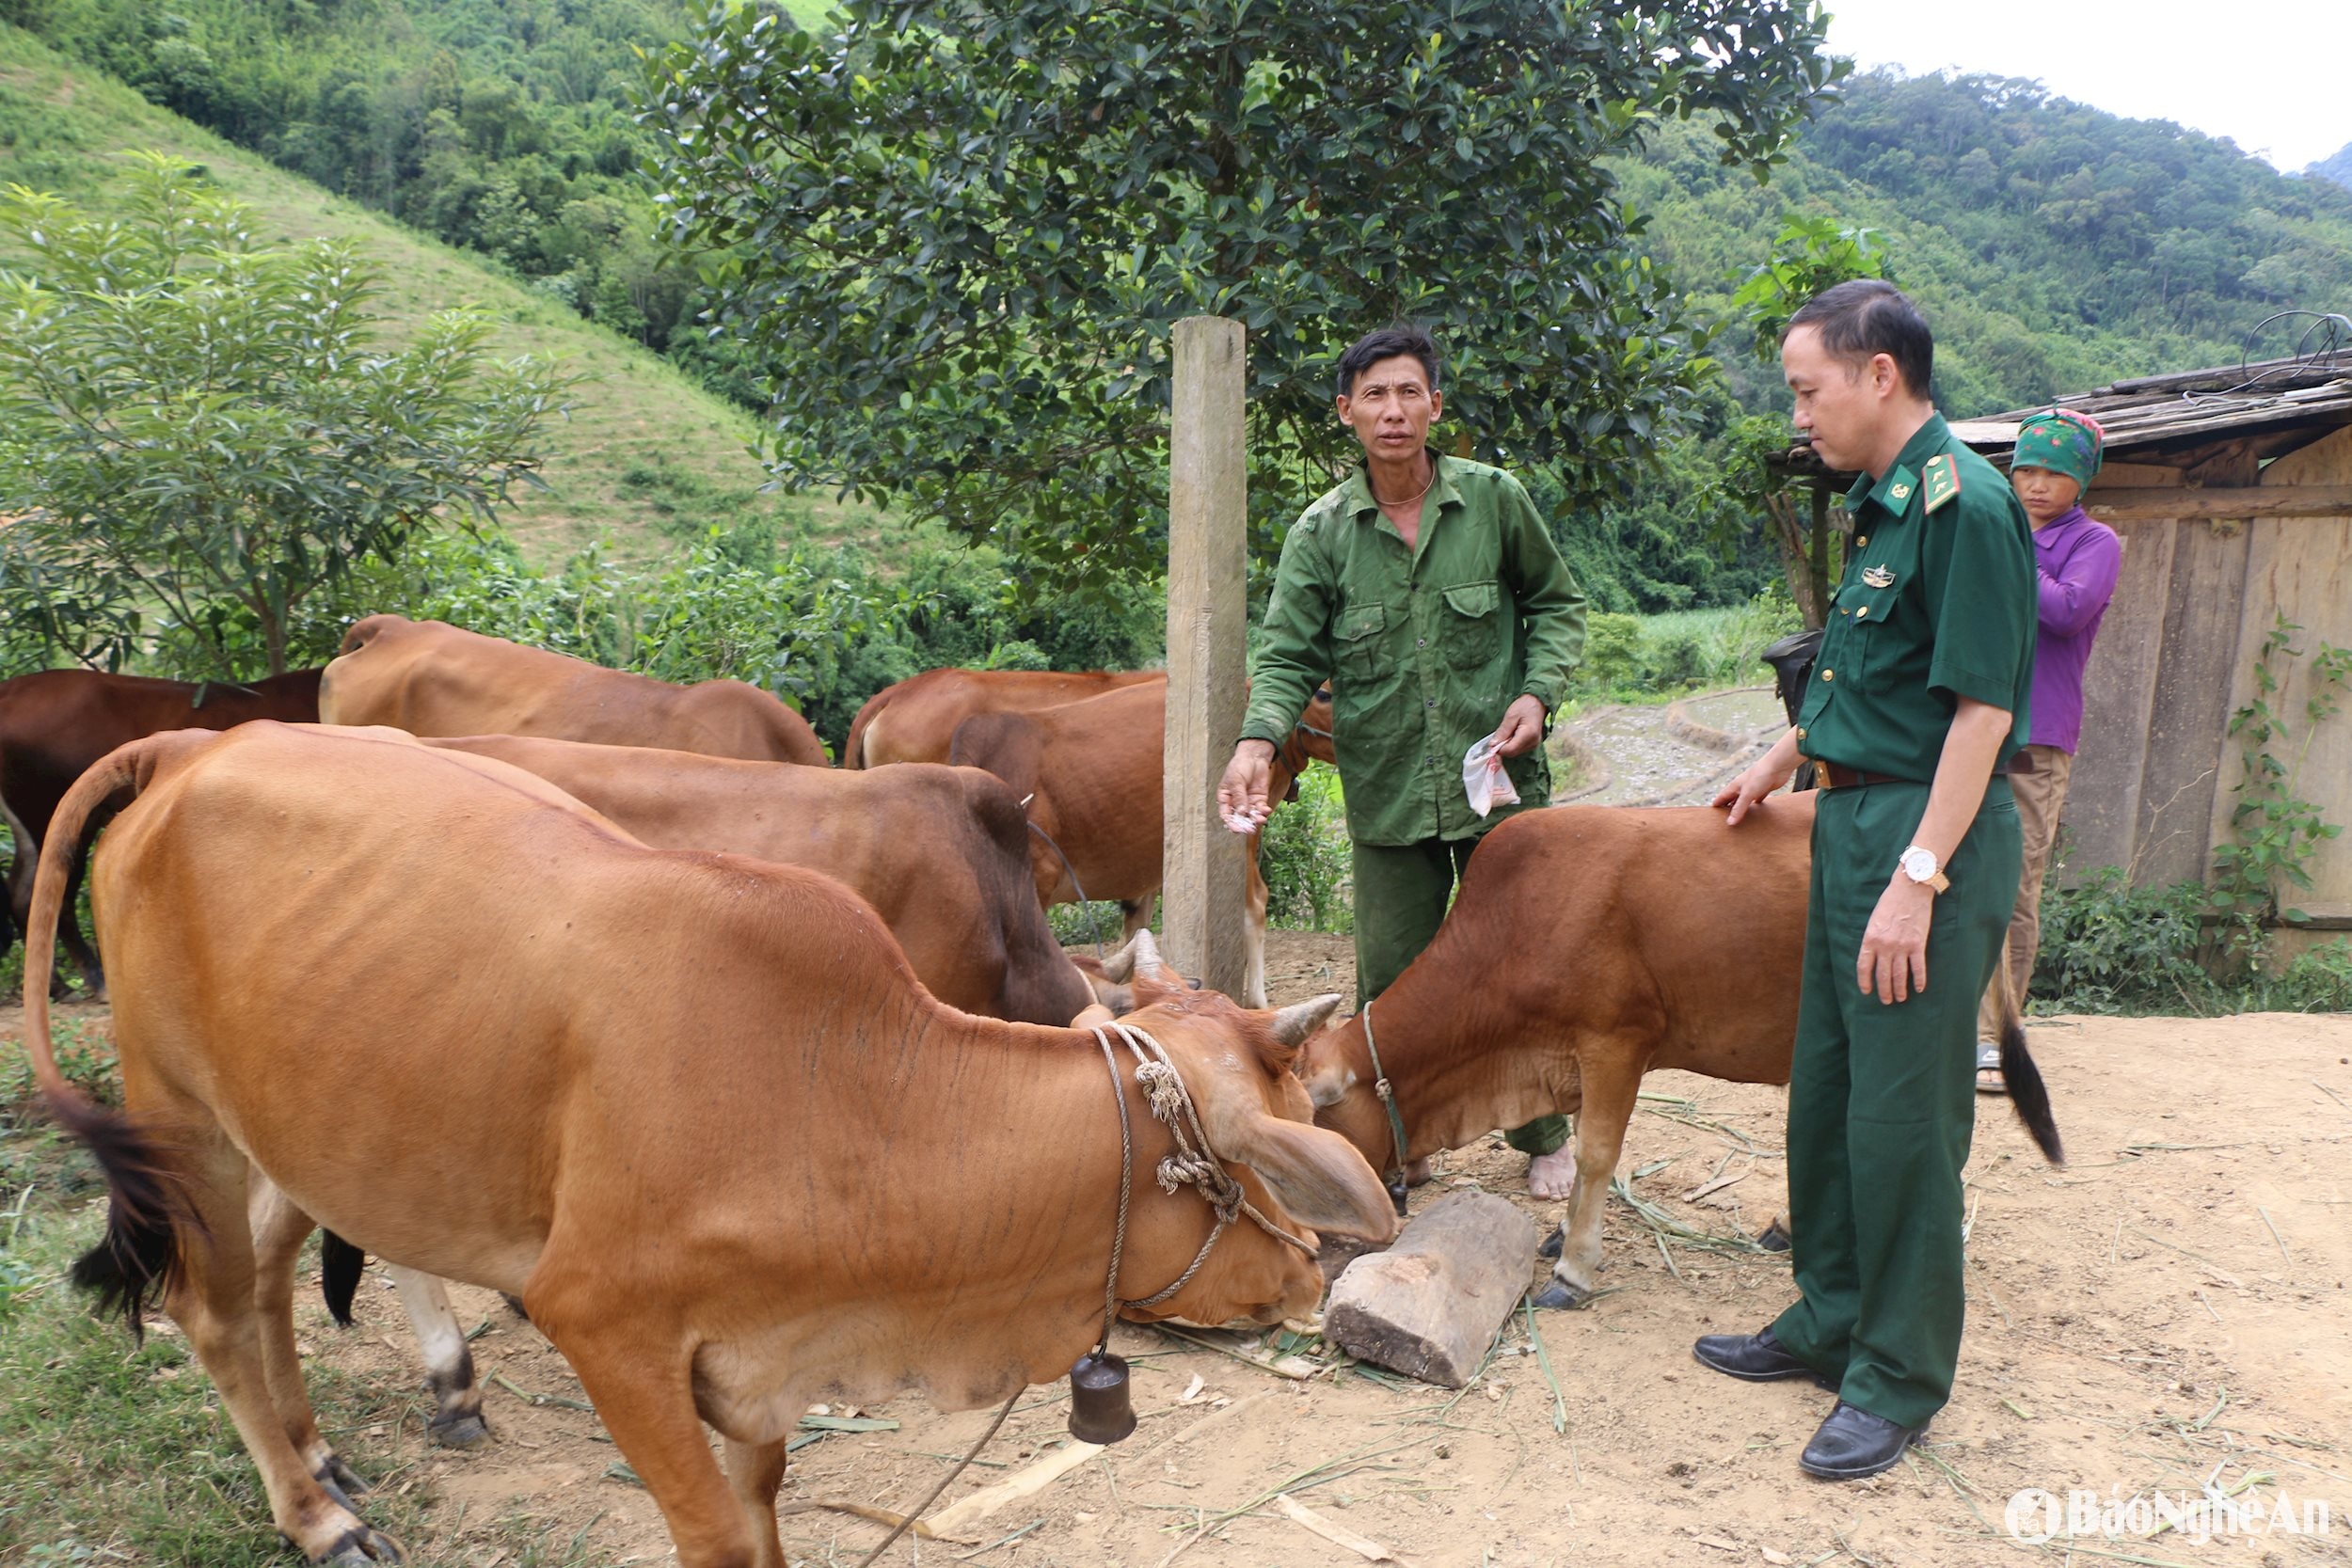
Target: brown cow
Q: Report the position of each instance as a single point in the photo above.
(477, 1030)
(1588, 945)
(915, 719)
(431, 678)
(941, 853)
(1092, 772)
(54, 724)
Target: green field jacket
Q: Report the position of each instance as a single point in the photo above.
(1424, 647)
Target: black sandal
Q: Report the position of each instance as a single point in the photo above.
(1989, 1079)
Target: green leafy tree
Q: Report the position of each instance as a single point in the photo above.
(1811, 254)
(202, 432)
(960, 234)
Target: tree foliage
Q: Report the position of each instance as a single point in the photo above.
(960, 234)
(200, 432)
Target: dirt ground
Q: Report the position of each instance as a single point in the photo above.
(2167, 1311)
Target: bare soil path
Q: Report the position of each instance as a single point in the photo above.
(2169, 1310)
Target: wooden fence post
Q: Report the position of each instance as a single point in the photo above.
(1205, 877)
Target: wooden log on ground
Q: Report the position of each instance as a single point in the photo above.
(1430, 1306)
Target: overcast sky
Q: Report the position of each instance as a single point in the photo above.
(2270, 74)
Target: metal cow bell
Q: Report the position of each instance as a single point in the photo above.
(1101, 1410)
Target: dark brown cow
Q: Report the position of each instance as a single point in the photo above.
(915, 719)
(641, 1088)
(941, 853)
(1091, 773)
(54, 724)
(434, 679)
(1588, 945)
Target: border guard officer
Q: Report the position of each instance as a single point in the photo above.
(1919, 697)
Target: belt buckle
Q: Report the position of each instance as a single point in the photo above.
(1821, 780)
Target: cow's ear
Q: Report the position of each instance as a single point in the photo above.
(1316, 1175)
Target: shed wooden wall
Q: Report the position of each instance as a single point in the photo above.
(2151, 789)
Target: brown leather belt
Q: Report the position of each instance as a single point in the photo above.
(1835, 775)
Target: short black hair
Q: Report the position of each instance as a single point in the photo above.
(1387, 343)
(1867, 316)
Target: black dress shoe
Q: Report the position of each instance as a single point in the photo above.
(1757, 1357)
(1854, 1443)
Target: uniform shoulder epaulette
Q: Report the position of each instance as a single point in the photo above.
(1941, 478)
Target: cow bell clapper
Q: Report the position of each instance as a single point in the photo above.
(1101, 1410)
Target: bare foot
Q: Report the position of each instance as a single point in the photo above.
(1553, 1175)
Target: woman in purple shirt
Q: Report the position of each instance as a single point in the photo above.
(2058, 453)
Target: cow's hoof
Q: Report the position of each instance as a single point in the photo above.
(515, 1304)
(1552, 1243)
(362, 1548)
(459, 1431)
(1559, 1295)
(1774, 1238)
(340, 1481)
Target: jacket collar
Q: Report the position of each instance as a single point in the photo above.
(1894, 488)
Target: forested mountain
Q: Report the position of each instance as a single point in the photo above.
(2054, 246)
(2338, 169)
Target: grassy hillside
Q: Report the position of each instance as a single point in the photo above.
(647, 456)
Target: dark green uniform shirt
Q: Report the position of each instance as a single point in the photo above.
(1937, 603)
(1424, 647)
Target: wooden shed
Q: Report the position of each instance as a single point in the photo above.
(2231, 489)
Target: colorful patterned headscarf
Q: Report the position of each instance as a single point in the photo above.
(2062, 441)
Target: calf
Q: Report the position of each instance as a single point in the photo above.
(54, 724)
(1589, 944)
(476, 1029)
(430, 678)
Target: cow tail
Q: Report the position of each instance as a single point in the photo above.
(854, 749)
(340, 1265)
(139, 1257)
(2026, 1091)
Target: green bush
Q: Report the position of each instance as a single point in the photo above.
(2109, 947)
(2319, 981)
(1304, 856)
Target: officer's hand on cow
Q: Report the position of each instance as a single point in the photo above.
(1522, 726)
(1764, 775)
(1894, 958)
(1242, 793)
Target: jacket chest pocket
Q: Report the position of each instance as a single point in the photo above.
(1875, 645)
(1469, 632)
(1357, 640)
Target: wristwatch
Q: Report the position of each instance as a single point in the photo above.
(1919, 866)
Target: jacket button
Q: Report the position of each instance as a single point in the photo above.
(1800, 732)
(1421, 643)
(1829, 675)
(1862, 543)
(1432, 703)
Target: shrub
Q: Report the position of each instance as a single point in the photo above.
(1305, 859)
(2109, 947)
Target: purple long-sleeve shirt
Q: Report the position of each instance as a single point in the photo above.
(2078, 557)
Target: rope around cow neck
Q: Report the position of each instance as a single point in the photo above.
(1381, 1086)
(1194, 1162)
(1094, 928)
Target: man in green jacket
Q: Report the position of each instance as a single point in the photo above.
(1427, 589)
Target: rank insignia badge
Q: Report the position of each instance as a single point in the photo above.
(1878, 577)
(1942, 480)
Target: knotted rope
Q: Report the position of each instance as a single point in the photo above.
(1381, 1086)
(1192, 1162)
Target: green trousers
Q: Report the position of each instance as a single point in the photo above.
(1402, 892)
(1882, 1105)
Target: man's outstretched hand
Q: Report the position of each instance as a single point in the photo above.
(1242, 794)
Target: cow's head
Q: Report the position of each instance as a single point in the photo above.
(1112, 976)
(1237, 1065)
(1335, 1071)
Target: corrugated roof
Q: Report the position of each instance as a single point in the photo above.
(2150, 416)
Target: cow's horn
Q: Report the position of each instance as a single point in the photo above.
(1297, 1023)
(1146, 955)
(1119, 967)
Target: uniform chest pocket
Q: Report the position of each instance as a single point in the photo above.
(1877, 641)
(1358, 637)
(1469, 634)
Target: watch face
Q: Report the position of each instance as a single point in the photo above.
(1918, 865)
